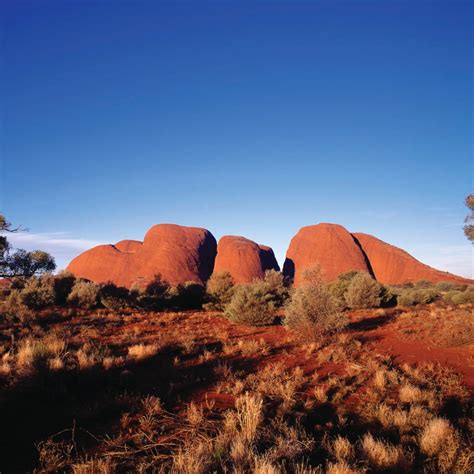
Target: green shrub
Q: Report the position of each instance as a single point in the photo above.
(339, 287)
(13, 308)
(155, 296)
(114, 297)
(412, 297)
(219, 291)
(363, 292)
(38, 293)
(84, 294)
(313, 312)
(424, 284)
(252, 304)
(460, 297)
(275, 286)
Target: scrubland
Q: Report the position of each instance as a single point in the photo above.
(264, 379)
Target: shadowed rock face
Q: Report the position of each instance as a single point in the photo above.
(392, 265)
(243, 259)
(178, 253)
(329, 246)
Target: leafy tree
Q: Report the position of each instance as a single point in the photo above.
(469, 227)
(21, 263)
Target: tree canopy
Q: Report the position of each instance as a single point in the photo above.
(21, 263)
(469, 227)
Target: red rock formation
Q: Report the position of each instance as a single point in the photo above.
(243, 259)
(392, 265)
(128, 246)
(178, 253)
(329, 246)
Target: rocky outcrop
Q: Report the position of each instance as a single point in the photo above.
(244, 259)
(329, 246)
(178, 253)
(392, 265)
(128, 246)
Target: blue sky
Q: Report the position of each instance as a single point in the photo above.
(248, 118)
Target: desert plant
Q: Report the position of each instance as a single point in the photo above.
(219, 289)
(155, 296)
(251, 304)
(363, 292)
(13, 307)
(63, 283)
(460, 297)
(339, 287)
(38, 293)
(189, 295)
(84, 294)
(412, 297)
(114, 297)
(313, 311)
(275, 285)
(445, 286)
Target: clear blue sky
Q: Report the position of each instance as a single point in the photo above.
(249, 118)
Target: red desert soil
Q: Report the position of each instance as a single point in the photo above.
(178, 253)
(376, 328)
(243, 259)
(385, 338)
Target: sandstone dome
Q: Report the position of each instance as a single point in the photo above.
(244, 259)
(177, 252)
(392, 265)
(329, 246)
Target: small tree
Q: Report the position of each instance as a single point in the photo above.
(21, 263)
(363, 292)
(469, 220)
(219, 289)
(274, 285)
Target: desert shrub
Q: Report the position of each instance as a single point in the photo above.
(313, 311)
(13, 308)
(445, 286)
(63, 283)
(84, 294)
(363, 292)
(114, 297)
(38, 293)
(219, 290)
(460, 297)
(424, 284)
(189, 295)
(251, 304)
(339, 287)
(155, 296)
(412, 297)
(275, 286)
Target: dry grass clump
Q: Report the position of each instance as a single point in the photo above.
(382, 455)
(34, 354)
(437, 435)
(142, 351)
